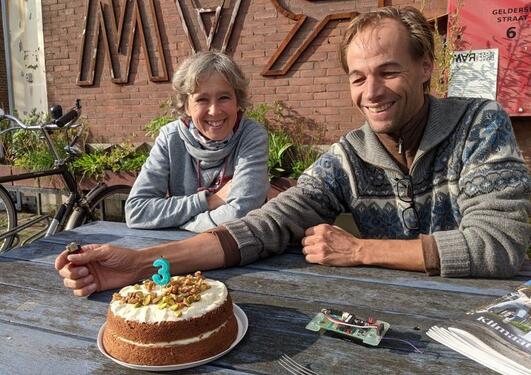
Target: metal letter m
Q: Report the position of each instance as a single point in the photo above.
(118, 37)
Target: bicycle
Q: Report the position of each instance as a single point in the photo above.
(79, 208)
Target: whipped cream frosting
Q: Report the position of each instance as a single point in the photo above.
(211, 299)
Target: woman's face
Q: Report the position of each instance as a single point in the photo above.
(213, 107)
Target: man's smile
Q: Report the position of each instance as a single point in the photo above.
(379, 108)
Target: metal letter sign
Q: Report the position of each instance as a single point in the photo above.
(118, 34)
(300, 19)
(100, 20)
(209, 36)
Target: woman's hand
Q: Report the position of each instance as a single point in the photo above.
(97, 268)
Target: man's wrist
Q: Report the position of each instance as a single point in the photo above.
(396, 254)
(145, 262)
(365, 252)
(170, 251)
(201, 252)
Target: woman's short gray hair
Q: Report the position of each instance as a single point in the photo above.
(200, 66)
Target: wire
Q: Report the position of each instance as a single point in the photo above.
(405, 341)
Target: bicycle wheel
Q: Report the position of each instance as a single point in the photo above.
(107, 204)
(8, 219)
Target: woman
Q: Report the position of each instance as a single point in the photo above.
(210, 165)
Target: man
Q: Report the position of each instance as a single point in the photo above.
(433, 185)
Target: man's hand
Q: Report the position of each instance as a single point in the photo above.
(220, 197)
(332, 246)
(97, 268)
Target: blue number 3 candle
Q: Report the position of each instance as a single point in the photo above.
(163, 275)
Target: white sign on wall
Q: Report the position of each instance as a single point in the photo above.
(474, 74)
(27, 56)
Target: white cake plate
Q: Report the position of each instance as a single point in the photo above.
(243, 323)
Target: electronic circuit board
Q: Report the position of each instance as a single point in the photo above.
(369, 331)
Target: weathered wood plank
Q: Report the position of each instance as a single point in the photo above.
(274, 329)
(110, 230)
(45, 252)
(26, 351)
(380, 297)
(292, 263)
(279, 296)
(56, 309)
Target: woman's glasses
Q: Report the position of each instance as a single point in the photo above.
(410, 216)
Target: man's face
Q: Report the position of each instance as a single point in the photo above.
(386, 84)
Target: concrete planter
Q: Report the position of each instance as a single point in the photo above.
(56, 181)
(278, 185)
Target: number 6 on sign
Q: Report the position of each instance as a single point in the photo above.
(163, 275)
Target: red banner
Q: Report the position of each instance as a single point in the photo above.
(501, 24)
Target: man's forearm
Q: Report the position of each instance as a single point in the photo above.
(396, 254)
(201, 252)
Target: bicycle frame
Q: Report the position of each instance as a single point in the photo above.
(60, 167)
(72, 212)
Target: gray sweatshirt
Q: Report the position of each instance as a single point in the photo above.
(470, 187)
(165, 193)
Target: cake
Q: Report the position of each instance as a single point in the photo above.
(189, 319)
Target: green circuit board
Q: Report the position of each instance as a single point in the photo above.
(369, 331)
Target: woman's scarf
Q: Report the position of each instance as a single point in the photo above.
(210, 154)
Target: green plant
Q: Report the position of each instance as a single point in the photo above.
(292, 138)
(27, 149)
(152, 128)
(279, 144)
(306, 156)
(91, 165)
(168, 115)
(446, 43)
(259, 113)
(121, 158)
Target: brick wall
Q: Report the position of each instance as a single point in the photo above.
(4, 100)
(315, 86)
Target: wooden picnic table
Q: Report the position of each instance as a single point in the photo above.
(44, 329)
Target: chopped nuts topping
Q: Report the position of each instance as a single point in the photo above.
(181, 292)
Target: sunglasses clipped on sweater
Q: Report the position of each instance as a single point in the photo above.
(410, 216)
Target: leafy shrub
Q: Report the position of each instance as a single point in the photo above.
(168, 115)
(121, 158)
(28, 149)
(446, 43)
(152, 128)
(292, 138)
(279, 145)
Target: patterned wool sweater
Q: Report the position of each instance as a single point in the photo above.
(470, 189)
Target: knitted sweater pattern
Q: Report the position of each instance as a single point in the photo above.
(470, 190)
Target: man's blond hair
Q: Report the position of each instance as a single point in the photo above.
(418, 28)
